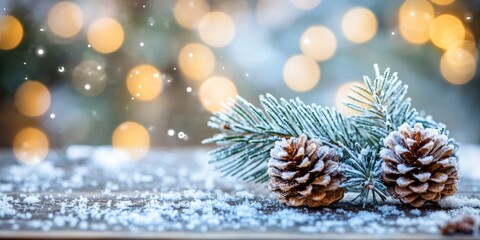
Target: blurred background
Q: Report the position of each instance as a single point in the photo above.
(145, 74)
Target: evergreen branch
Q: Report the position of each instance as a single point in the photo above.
(363, 173)
(248, 133)
(383, 106)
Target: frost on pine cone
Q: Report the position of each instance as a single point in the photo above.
(305, 173)
(419, 165)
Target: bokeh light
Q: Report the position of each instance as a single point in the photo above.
(468, 44)
(216, 90)
(30, 146)
(106, 35)
(342, 96)
(11, 32)
(32, 98)
(458, 66)
(196, 61)
(301, 73)
(89, 78)
(359, 25)
(65, 19)
(319, 43)
(414, 19)
(446, 30)
(305, 4)
(217, 29)
(131, 138)
(144, 82)
(442, 2)
(188, 13)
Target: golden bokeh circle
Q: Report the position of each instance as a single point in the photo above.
(32, 98)
(319, 43)
(65, 19)
(106, 35)
(458, 66)
(301, 73)
(144, 82)
(188, 13)
(414, 19)
(11, 32)
(216, 90)
(196, 61)
(216, 29)
(131, 138)
(359, 25)
(30, 146)
(446, 30)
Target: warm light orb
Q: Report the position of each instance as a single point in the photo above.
(89, 78)
(11, 32)
(188, 13)
(469, 46)
(216, 29)
(301, 73)
(458, 66)
(65, 19)
(318, 43)
(442, 2)
(32, 98)
(305, 4)
(30, 146)
(414, 19)
(144, 82)
(359, 25)
(342, 96)
(216, 90)
(446, 30)
(196, 61)
(105, 35)
(131, 138)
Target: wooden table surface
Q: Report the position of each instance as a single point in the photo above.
(91, 193)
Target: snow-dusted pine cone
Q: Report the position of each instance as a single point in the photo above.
(418, 165)
(304, 173)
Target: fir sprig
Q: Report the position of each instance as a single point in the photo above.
(247, 133)
(383, 106)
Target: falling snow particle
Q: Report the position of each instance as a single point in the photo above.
(181, 135)
(189, 89)
(52, 115)
(40, 52)
(61, 69)
(171, 132)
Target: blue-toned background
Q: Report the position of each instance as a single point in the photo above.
(141, 74)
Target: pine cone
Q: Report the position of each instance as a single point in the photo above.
(460, 225)
(304, 173)
(419, 165)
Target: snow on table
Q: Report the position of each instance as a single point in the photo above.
(91, 192)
